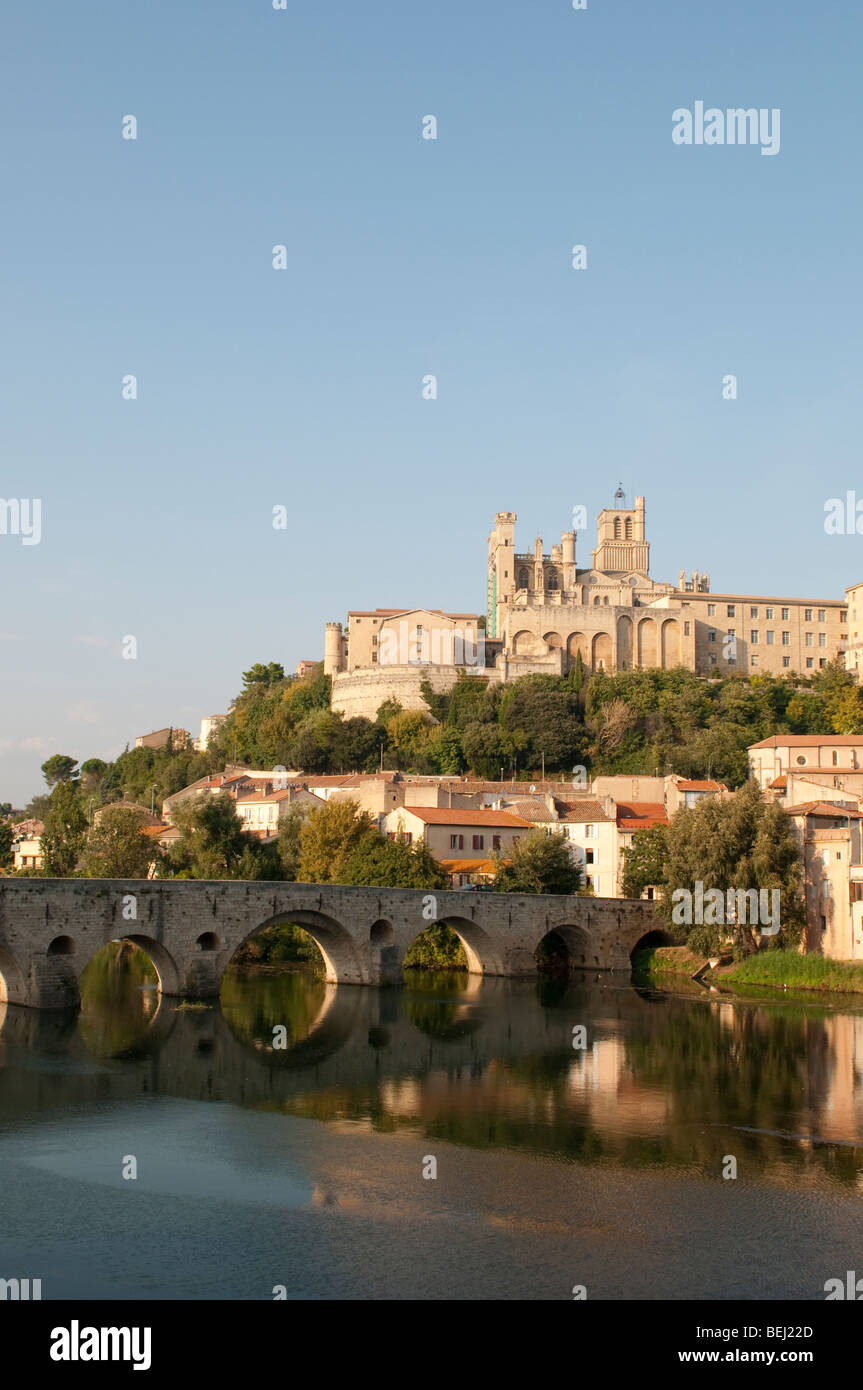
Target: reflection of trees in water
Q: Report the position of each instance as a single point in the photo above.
(119, 997)
(444, 1017)
(255, 1003)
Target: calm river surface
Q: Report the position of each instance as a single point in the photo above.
(302, 1166)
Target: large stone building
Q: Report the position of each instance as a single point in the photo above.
(544, 609)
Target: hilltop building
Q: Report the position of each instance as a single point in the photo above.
(543, 609)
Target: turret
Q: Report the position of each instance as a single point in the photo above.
(333, 649)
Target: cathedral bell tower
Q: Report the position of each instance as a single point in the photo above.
(621, 547)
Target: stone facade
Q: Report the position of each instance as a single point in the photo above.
(543, 611)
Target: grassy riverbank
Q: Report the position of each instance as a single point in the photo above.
(788, 969)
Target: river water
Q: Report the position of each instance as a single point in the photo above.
(580, 1135)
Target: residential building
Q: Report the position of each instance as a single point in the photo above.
(783, 753)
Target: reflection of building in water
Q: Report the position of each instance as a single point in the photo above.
(601, 1076)
(839, 1113)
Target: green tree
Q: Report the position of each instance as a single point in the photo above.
(539, 863)
(117, 846)
(743, 843)
(644, 861)
(328, 837)
(59, 768)
(64, 833)
(263, 674)
(7, 836)
(377, 862)
(213, 843)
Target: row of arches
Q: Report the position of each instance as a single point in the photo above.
(649, 642)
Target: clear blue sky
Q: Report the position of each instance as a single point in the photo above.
(405, 257)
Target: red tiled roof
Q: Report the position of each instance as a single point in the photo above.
(437, 815)
(641, 815)
(822, 808)
(687, 785)
(810, 741)
(580, 811)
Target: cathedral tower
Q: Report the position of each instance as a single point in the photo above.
(621, 547)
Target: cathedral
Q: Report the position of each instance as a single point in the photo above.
(543, 610)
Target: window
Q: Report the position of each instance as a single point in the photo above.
(711, 634)
(495, 842)
(809, 639)
(809, 663)
(825, 888)
(479, 842)
(822, 639)
(822, 661)
(753, 661)
(753, 637)
(786, 614)
(732, 632)
(711, 610)
(822, 615)
(588, 832)
(628, 529)
(588, 856)
(786, 661)
(843, 616)
(730, 610)
(786, 639)
(523, 582)
(807, 615)
(453, 841)
(770, 636)
(753, 612)
(617, 528)
(713, 658)
(768, 613)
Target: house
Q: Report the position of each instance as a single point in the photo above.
(833, 754)
(459, 838)
(632, 816)
(161, 738)
(27, 845)
(831, 839)
(261, 811)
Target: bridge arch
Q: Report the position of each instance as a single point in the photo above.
(62, 946)
(580, 945)
(13, 985)
(483, 956)
(343, 964)
(162, 961)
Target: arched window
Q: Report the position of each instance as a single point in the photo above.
(617, 528)
(523, 579)
(551, 582)
(629, 528)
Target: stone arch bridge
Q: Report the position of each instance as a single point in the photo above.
(51, 928)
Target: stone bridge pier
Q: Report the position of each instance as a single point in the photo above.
(51, 928)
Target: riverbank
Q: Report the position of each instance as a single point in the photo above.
(779, 970)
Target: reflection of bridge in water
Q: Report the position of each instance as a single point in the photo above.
(491, 1065)
(51, 928)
